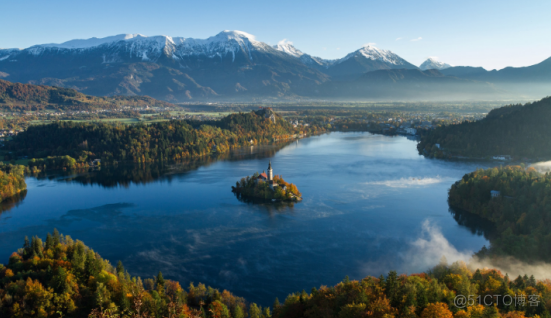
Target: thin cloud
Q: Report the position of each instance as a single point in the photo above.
(370, 44)
(398, 39)
(418, 39)
(338, 48)
(285, 41)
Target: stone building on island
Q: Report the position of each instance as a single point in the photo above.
(269, 177)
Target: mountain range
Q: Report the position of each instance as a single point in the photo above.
(233, 65)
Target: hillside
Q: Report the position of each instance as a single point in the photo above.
(515, 130)
(12, 181)
(36, 97)
(173, 140)
(520, 212)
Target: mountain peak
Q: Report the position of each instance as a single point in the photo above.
(433, 63)
(371, 52)
(286, 46)
(242, 38)
(236, 34)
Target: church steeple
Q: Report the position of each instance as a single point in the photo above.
(270, 171)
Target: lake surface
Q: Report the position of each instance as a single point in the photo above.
(371, 204)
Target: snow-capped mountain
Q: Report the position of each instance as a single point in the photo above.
(170, 68)
(368, 58)
(287, 47)
(375, 54)
(87, 43)
(151, 48)
(433, 64)
(230, 64)
(6, 53)
(312, 61)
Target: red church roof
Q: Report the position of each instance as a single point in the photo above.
(263, 176)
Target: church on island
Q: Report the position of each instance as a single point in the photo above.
(270, 178)
(267, 186)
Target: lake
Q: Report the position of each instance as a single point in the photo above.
(371, 204)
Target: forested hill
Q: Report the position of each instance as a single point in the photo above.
(173, 140)
(12, 181)
(36, 97)
(520, 211)
(61, 277)
(516, 130)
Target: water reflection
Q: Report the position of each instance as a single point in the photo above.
(124, 175)
(267, 205)
(12, 202)
(476, 224)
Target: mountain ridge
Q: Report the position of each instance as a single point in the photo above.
(231, 65)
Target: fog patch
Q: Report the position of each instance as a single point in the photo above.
(427, 250)
(542, 167)
(407, 182)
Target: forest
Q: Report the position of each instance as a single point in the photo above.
(17, 96)
(12, 180)
(253, 187)
(520, 131)
(162, 141)
(521, 212)
(62, 277)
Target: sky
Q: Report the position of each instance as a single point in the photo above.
(491, 34)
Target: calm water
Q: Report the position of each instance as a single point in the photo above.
(371, 204)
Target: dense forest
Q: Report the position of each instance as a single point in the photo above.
(12, 180)
(516, 130)
(62, 277)
(253, 187)
(17, 96)
(521, 212)
(173, 140)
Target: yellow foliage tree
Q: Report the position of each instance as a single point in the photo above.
(437, 310)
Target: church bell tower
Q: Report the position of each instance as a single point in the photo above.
(270, 172)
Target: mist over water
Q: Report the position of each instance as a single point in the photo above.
(371, 204)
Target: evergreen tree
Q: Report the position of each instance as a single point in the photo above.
(49, 242)
(160, 281)
(57, 238)
(254, 311)
(120, 268)
(490, 312)
(532, 281)
(237, 312)
(392, 286)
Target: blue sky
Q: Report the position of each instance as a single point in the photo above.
(492, 34)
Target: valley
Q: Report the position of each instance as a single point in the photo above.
(146, 174)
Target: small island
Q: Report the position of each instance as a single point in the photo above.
(267, 187)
